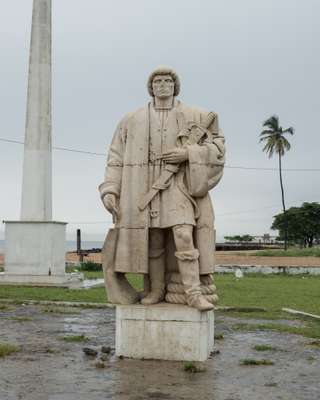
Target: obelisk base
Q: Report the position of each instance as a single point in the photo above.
(164, 331)
(35, 254)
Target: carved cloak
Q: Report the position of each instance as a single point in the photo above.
(127, 174)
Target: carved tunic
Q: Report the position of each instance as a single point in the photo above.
(170, 207)
(131, 170)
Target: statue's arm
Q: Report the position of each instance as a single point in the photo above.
(114, 165)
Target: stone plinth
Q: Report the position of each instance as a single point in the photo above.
(164, 332)
(35, 253)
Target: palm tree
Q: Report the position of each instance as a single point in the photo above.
(275, 142)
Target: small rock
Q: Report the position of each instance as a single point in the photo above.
(104, 357)
(99, 364)
(106, 349)
(239, 273)
(90, 351)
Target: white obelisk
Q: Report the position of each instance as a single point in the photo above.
(37, 176)
(35, 245)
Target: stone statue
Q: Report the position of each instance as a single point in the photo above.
(163, 161)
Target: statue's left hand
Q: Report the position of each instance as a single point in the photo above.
(176, 155)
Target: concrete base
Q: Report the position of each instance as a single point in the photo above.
(72, 281)
(35, 254)
(164, 331)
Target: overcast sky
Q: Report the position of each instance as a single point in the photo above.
(244, 59)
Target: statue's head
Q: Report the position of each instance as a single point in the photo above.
(163, 83)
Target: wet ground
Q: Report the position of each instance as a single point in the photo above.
(47, 367)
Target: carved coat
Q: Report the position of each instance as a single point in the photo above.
(128, 177)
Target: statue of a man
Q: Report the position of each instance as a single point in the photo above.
(163, 160)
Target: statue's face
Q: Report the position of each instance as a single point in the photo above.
(163, 86)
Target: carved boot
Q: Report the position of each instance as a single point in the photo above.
(189, 270)
(156, 275)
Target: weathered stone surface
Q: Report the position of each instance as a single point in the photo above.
(35, 248)
(164, 331)
(163, 161)
(37, 176)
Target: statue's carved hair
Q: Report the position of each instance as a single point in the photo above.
(162, 70)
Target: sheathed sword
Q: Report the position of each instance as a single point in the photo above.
(197, 133)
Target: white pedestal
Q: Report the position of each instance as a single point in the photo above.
(164, 331)
(35, 254)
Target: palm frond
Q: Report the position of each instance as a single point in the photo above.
(269, 149)
(286, 143)
(272, 123)
(289, 130)
(267, 132)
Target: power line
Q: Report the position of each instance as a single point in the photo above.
(58, 148)
(90, 222)
(226, 166)
(247, 211)
(273, 169)
(217, 215)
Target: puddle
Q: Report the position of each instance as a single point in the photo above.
(63, 372)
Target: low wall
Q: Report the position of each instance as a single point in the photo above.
(266, 270)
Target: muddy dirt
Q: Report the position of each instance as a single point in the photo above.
(49, 368)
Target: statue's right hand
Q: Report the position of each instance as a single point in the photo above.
(111, 204)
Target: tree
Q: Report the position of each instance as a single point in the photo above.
(240, 239)
(275, 142)
(302, 224)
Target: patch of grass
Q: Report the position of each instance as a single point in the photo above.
(218, 336)
(311, 330)
(3, 307)
(75, 338)
(93, 295)
(259, 291)
(271, 384)
(314, 343)
(272, 292)
(7, 349)
(193, 367)
(264, 347)
(253, 361)
(20, 319)
(291, 252)
(273, 315)
(93, 274)
(90, 266)
(136, 281)
(20, 293)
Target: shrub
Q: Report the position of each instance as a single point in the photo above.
(90, 266)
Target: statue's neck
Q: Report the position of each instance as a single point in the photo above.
(163, 104)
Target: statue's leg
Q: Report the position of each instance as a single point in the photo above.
(188, 264)
(156, 267)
